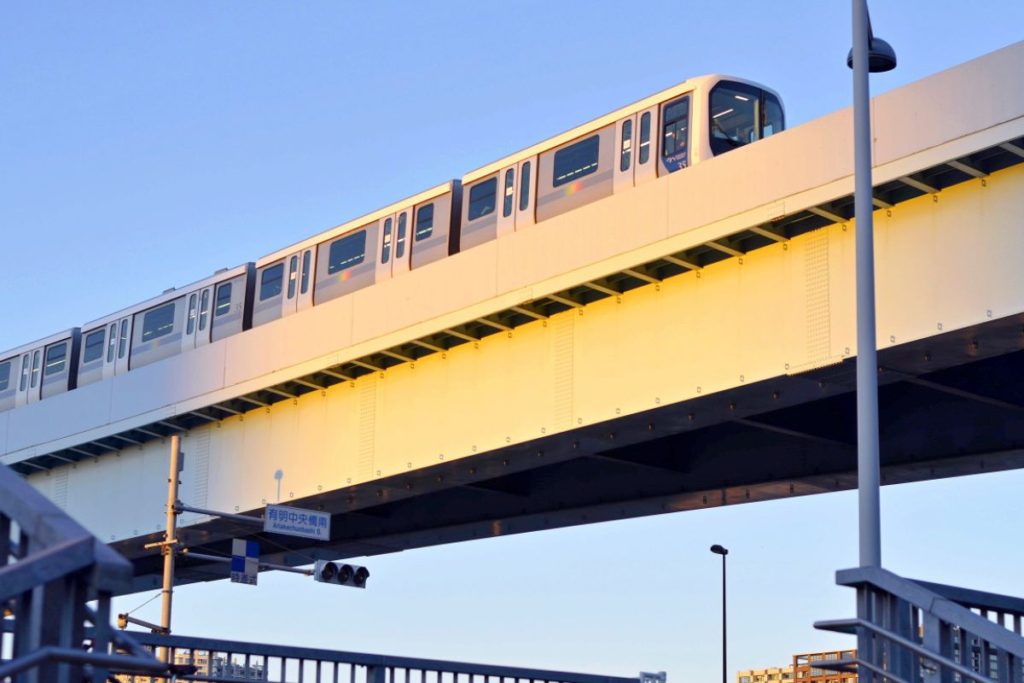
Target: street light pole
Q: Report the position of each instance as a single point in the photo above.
(720, 550)
(868, 54)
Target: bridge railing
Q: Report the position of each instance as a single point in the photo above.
(50, 569)
(221, 661)
(920, 632)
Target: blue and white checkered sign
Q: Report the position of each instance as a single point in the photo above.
(245, 561)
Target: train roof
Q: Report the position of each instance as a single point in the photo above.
(168, 295)
(359, 222)
(600, 122)
(49, 339)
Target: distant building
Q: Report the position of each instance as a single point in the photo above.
(806, 668)
(217, 666)
(777, 674)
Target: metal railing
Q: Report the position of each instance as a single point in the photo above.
(50, 569)
(920, 632)
(224, 661)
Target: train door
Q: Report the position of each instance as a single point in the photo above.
(198, 318)
(32, 370)
(21, 397)
(645, 161)
(524, 193)
(290, 304)
(386, 262)
(625, 163)
(506, 201)
(304, 297)
(403, 242)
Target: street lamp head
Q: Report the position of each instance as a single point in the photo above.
(719, 550)
(881, 56)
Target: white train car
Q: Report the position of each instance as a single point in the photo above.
(661, 134)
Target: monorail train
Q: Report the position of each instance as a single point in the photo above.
(683, 125)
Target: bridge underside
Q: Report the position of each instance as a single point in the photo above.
(950, 405)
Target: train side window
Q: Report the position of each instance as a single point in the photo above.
(645, 138)
(304, 287)
(24, 372)
(424, 222)
(675, 132)
(576, 161)
(385, 251)
(626, 151)
(94, 346)
(347, 252)
(191, 325)
(400, 241)
(774, 119)
(481, 198)
(158, 322)
(112, 343)
(204, 309)
(524, 187)
(56, 358)
(222, 304)
(293, 274)
(35, 370)
(122, 342)
(270, 281)
(5, 375)
(510, 179)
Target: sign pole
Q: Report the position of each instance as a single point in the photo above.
(170, 540)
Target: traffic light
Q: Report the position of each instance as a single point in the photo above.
(341, 574)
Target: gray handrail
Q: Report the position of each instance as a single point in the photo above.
(931, 602)
(50, 568)
(919, 632)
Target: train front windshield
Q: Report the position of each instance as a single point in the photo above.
(741, 114)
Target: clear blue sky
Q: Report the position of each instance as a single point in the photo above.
(145, 145)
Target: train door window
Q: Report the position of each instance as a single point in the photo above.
(347, 252)
(424, 222)
(400, 241)
(644, 152)
(510, 179)
(222, 304)
(675, 133)
(191, 325)
(112, 343)
(385, 251)
(24, 372)
(5, 375)
(773, 118)
(481, 198)
(270, 281)
(524, 187)
(158, 322)
(304, 287)
(293, 274)
(93, 346)
(576, 161)
(56, 358)
(626, 150)
(734, 116)
(34, 378)
(122, 342)
(204, 309)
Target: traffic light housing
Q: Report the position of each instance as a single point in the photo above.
(341, 574)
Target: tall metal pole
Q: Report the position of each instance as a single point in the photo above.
(724, 639)
(867, 355)
(170, 538)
